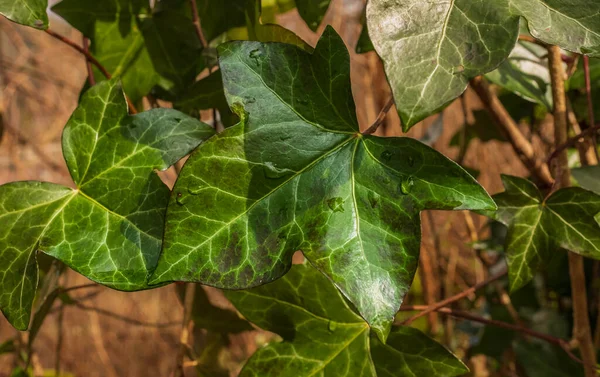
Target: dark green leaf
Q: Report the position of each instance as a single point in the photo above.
(313, 11)
(432, 49)
(323, 336)
(364, 43)
(206, 94)
(7, 347)
(26, 12)
(545, 360)
(538, 228)
(297, 174)
(213, 318)
(588, 177)
(110, 227)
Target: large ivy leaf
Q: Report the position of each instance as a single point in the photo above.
(110, 227)
(432, 48)
(538, 228)
(323, 336)
(26, 12)
(588, 177)
(297, 174)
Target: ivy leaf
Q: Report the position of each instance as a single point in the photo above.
(526, 74)
(26, 12)
(432, 49)
(110, 227)
(297, 174)
(538, 228)
(323, 336)
(588, 177)
(312, 11)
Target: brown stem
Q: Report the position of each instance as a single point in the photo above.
(454, 298)
(510, 128)
(91, 59)
(530, 39)
(590, 102)
(581, 329)
(380, 118)
(88, 64)
(188, 306)
(197, 24)
(572, 141)
(492, 322)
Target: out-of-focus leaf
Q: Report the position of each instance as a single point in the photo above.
(110, 227)
(526, 74)
(206, 94)
(588, 177)
(364, 43)
(323, 336)
(360, 221)
(434, 131)
(7, 347)
(545, 360)
(313, 11)
(538, 228)
(26, 12)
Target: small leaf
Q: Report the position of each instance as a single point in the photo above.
(323, 336)
(432, 49)
(545, 360)
(110, 227)
(26, 12)
(7, 347)
(538, 229)
(588, 177)
(313, 11)
(297, 174)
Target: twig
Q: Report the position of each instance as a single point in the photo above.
(454, 298)
(59, 341)
(572, 141)
(530, 39)
(590, 102)
(79, 287)
(88, 65)
(524, 330)
(509, 127)
(91, 59)
(380, 118)
(581, 328)
(197, 24)
(127, 320)
(188, 306)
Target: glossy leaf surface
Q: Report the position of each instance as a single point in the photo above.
(297, 174)
(432, 48)
(538, 228)
(322, 336)
(110, 227)
(26, 12)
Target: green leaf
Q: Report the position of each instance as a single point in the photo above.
(364, 43)
(27, 12)
(116, 40)
(313, 11)
(110, 227)
(7, 347)
(323, 336)
(526, 74)
(545, 360)
(297, 174)
(432, 49)
(538, 228)
(588, 177)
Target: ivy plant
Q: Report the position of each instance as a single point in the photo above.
(286, 167)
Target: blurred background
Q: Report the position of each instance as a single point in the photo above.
(97, 332)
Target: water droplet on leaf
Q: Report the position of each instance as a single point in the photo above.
(178, 199)
(406, 185)
(458, 69)
(386, 155)
(256, 55)
(336, 204)
(195, 190)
